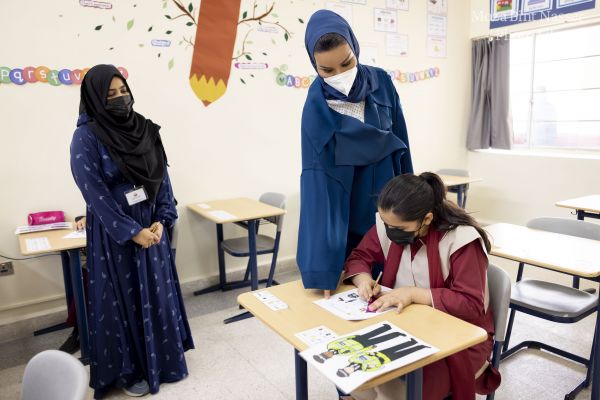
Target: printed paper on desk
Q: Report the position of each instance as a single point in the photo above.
(353, 359)
(222, 215)
(270, 300)
(316, 335)
(37, 244)
(349, 306)
(75, 235)
(204, 206)
(39, 228)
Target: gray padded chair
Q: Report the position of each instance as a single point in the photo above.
(567, 227)
(499, 291)
(238, 247)
(499, 288)
(54, 375)
(455, 189)
(551, 301)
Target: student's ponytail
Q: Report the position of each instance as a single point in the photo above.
(439, 193)
(411, 197)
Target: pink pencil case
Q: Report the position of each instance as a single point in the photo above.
(45, 217)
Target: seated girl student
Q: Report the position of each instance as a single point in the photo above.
(434, 254)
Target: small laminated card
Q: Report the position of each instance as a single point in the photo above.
(270, 300)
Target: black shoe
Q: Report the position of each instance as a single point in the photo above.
(71, 345)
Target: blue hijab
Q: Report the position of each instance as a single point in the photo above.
(323, 22)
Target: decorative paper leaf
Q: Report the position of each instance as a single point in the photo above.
(190, 7)
(129, 24)
(275, 15)
(141, 44)
(273, 41)
(244, 14)
(149, 29)
(168, 32)
(285, 35)
(171, 63)
(158, 55)
(110, 48)
(97, 28)
(165, 4)
(167, 16)
(301, 20)
(243, 81)
(264, 54)
(189, 23)
(248, 57)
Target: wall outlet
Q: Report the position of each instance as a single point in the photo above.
(6, 268)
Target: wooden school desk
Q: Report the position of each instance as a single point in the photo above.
(72, 275)
(562, 253)
(460, 182)
(447, 333)
(245, 213)
(587, 206)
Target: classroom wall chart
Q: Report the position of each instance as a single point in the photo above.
(511, 12)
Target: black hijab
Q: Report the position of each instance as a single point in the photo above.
(133, 143)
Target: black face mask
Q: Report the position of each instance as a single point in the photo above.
(401, 237)
(120, 107)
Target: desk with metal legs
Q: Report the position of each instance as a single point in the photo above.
(243, 212)
(73, 279)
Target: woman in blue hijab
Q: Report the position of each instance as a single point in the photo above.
(354, 140)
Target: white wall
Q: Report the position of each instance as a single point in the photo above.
(246, 143)
(517, 187)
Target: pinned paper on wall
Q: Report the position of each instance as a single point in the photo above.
(401, 5)
(436, 47)
(396, 44)
(344, 10)
(96, 4)
(437, 25)
(385, 20)
(437, 6)
(504, 8)
(369, 54)
(536, 5)
(160, 43)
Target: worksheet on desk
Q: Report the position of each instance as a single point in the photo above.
(349, 306)
(355, 358)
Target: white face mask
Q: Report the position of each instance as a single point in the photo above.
(343, 82)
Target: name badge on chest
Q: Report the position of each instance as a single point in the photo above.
(136, 195)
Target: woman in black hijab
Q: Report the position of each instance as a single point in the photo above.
(138, 326)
